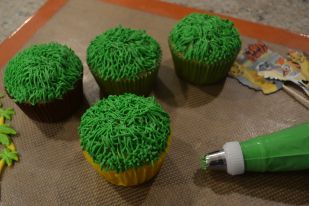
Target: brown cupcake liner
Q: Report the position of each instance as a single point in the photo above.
(55, 110)
(140, 86)
(200, 73)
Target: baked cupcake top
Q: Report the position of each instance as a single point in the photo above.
(123, 132)
(205, 38)
(42, 73)
(123, 53)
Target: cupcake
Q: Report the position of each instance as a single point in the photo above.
(203, 48)
(45, 81)
(124, 60)
(125, 138)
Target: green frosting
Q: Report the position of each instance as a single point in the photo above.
(123, 53)
(123, 132)
(42, 73)
(205, 38)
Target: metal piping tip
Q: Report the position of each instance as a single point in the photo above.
(214, 161)
(204, 163)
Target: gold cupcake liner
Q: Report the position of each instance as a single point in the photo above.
(130, 177)
(200, 73)
(143, 85)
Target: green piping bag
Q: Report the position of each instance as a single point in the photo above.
(285, 150)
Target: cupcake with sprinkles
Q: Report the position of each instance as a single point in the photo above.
(204, 48)
(125, 138)
(124, 60)
(45, 81)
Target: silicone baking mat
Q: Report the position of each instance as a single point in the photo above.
(52, 170)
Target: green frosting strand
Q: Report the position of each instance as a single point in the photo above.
(42, 73)
(123, 132)
(123, 53)
(204, 38)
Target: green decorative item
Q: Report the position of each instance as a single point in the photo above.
(7, 113)
(123, 132)
(8, 155)
(4, 139)
(45, 80)
(5, 129)
(204, 48)
(124, 60)
(285, 150)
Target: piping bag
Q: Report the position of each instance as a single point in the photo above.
(285, 150)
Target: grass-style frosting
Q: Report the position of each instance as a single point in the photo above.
(123, 53)
(123, 132)
(204, 38)
(42, 73)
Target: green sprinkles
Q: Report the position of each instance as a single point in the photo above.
(42, 73)
(205, 38)
(123, 53)
(123, 132)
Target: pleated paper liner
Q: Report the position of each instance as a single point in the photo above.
(200, 73)
(143, 85)
(133, 176)
(55, 110)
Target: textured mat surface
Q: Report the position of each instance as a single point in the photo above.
(52, 170)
